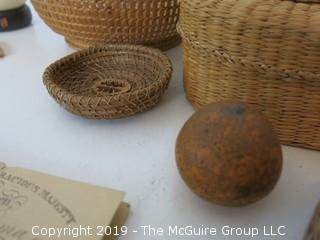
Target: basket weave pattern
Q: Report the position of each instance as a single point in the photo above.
(109, 82)
(266, 53)
(91, 22)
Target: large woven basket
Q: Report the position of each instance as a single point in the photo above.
(87, 23)
(109, 82)
(264, 52)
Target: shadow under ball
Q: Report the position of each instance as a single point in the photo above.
(229, 154)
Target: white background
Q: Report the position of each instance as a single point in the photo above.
(134, 154)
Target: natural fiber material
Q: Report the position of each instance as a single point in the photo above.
(109, 82)
(91, 22)
(266, 53)
(313, 231)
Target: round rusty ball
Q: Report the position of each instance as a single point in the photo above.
(229, 154)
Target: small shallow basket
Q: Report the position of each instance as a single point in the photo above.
(109, 82)
(264, 52)
(87, 23)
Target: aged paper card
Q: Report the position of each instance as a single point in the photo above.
(31, 202)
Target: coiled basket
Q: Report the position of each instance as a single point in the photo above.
(264, 52)
(87, 23)
(109, 82)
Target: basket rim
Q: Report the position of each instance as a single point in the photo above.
(161, 80)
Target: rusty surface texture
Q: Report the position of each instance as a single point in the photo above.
(229, 154)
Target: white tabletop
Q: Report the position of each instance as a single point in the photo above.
(134, 154)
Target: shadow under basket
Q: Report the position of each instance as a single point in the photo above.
(109, 82)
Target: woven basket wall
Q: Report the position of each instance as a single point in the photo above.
(264, 52)
(86, 23)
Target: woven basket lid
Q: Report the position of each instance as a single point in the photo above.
(255, 31)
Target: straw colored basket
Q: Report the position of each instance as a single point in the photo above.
(87, 23)
(109, 82)
(264, 52)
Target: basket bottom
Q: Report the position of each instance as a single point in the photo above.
(163, 45)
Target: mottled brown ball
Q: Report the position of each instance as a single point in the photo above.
(229, 154)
